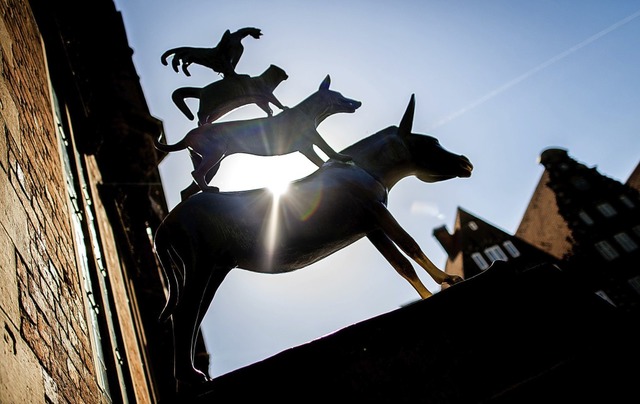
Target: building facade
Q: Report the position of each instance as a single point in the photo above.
(578, 219)
(476, 244)
(600, 220)
(80, 198)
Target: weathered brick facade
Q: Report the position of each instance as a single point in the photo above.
(79, 196)
(43, 310)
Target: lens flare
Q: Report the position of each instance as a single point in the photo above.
(277, 189)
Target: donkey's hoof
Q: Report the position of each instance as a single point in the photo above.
(451, 280)
(191, 381)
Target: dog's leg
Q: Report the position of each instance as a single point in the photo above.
(398, 261)
(206, 170)
(402, 239)
(328, 150)
(192, 189)
(311, 154)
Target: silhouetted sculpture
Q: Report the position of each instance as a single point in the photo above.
(207, 235)
(223, 96)
(223, 58)
(292, 130)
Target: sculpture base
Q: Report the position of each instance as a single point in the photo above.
(499, 337)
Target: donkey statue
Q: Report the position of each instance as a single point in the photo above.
(204, 237)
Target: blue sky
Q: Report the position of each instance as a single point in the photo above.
(498, 81)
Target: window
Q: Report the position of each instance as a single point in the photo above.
(580, 183)
(511, 249)
(479, 260)
(635, 283)
(585, 217)
(103, 329)
(495, 253)
(473, 225)
(626, 242)
(627, 202)
(606, 209)
(605, 297)
(606, 250)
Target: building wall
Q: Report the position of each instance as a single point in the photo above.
(634, 178)
(80, 194)
(542, 225)
(46, 349)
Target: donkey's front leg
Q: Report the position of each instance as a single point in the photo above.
(398, 261)
(402, 239)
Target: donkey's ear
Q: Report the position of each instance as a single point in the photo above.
(325, 83)
(407, 120)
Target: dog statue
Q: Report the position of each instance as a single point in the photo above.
(223, 96)
(291, 130)
(207, 235)
(223, 58)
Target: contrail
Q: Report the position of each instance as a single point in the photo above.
(536, 69)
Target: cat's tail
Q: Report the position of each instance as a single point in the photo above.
(180, 94)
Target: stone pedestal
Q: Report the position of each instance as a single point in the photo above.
(499, 337)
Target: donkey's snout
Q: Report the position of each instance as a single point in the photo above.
(466, 166)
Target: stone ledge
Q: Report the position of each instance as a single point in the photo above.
(501, 337)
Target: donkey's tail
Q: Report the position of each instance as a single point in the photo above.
(180, 94)
(173, 270)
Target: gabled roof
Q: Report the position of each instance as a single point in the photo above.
(634, 179)
(473, 235)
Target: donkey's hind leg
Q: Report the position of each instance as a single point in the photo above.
(199, 289)
(215, 280)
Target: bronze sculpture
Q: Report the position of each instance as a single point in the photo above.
(207, 235)
(293, 129)
(222, 58)
(223, 96)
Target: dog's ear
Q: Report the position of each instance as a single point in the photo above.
(407, 119)
(325, 83)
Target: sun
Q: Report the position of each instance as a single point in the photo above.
(243, 172)
(278, 186)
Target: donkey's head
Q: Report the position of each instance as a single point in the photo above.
(332, 102)
(430, 161)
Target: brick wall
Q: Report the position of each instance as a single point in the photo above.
(542, 225)
(46, 352)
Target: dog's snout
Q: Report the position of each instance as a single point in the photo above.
(352, 105)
